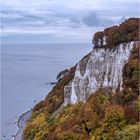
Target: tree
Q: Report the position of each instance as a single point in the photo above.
(130, 132)
(98, 39)
(125, 32)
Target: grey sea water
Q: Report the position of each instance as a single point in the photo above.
(25, 69)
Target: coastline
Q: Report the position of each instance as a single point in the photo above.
(21, 124)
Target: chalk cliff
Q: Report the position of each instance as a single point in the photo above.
(102, 68)
(98, 98)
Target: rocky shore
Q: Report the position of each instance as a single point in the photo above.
(21, 124)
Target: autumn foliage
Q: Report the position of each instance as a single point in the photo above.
(106, 115)
(113, 36)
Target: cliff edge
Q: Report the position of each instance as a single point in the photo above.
(98, 98)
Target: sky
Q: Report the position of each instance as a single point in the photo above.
(61, 21)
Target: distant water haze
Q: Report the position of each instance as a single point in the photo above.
(25, 70)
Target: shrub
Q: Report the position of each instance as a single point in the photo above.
(130, 132)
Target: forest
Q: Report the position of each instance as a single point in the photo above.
(107, 114)
(113, 36)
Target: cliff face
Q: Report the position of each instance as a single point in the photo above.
(98, 98)
(106, 81)
(102, 68)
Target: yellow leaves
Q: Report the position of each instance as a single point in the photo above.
(29, 130)
(129, 132)
(92, 138)
(39, 119)
(97, 119)
(137, 104)
(38, 136)
(134, 62)
(102, 99)
(55, 98)
(114, 118)
(41, 135)
(87, 108)
(125, 32)
(63, 119)
(36, 128)
(58, 129)
(114, 112)
(113, 93)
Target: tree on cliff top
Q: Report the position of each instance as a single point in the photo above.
(113, 36)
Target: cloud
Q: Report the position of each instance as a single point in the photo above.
(92, 19)
(62, 18)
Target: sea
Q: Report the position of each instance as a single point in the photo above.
(25, 71)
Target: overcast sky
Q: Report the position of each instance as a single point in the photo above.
(61, 21)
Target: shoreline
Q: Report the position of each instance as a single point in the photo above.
(21, 124)
(23, 119)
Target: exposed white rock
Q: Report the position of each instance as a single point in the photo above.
(73, 95)
(102, 68)
(104, 40)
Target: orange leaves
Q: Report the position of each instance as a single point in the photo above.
(98, 39)
(125, 32)
(114, 112)
(130, 114)
(82, 120)
(114, 117)
(131, 74)
(56, 97)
